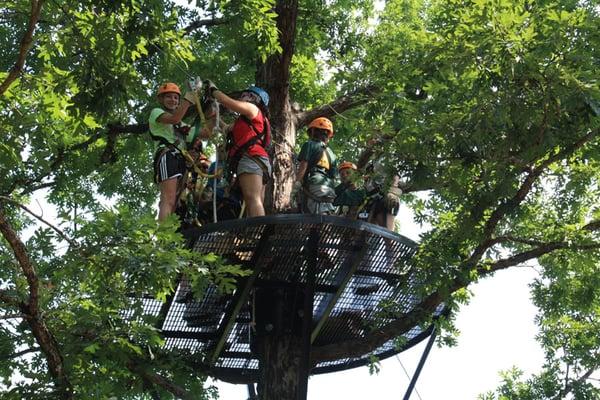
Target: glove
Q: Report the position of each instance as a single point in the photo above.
(195, 84)
(210, 87)
(190, 97)
(392, 200)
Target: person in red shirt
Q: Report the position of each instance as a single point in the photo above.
(250, 135)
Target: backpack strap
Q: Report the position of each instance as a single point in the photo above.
(312, 163)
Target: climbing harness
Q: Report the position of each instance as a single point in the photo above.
(240, 150)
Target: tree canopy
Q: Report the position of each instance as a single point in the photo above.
(488, 110)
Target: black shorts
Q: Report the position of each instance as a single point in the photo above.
(168, 164)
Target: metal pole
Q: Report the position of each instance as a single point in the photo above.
(307, 315)
(413, 381)
(252, 392)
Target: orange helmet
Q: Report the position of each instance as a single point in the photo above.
(347, 164)
(168, 87)
(322, 123)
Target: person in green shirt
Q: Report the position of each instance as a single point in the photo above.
(317, 172)
(173, 137)
(351, 197)
(376, 199)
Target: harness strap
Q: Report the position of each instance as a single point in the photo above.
(312, 167)
(239, 150)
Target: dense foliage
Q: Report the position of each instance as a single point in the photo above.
(488, 109)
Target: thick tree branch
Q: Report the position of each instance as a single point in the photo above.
(511, 204)
(401, 325)
(26, 42)
(114, 129)
(358, 347)
(31, 311)
(592, 225)
(346, 102)
(544, 249)
(27, 268)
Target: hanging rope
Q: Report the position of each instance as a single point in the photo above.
(217, 129)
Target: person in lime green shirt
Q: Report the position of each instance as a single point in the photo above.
(173, 137)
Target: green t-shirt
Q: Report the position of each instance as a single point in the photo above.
(166, 133)
(348, 197)
(322, 163)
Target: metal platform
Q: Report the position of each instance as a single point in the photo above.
(358, 267)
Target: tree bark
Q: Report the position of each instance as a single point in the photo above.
(280, 363)
(31, 311)
(274, 77)
(26, 42)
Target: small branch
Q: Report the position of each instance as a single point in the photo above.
(42, 220)
(12, 316)
(592, 226)
(26, 42)
(162, 382)
(30, 185)
(26, 183)
(10, 300)
(509, 238)
(376, 144)
(20, 353)
(34, 188)
(574, 383)
(204, 23)
(539, 251)
(357, 98)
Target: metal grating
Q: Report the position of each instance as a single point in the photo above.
(359, 266)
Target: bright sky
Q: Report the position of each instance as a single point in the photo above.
(497, 332)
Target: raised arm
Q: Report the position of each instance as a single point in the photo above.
(177, 115)
(244, 108)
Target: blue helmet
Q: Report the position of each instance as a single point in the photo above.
(264, 96)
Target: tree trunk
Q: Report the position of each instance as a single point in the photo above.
(274, 77)
(279, 366)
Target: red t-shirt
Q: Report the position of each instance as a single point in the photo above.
(242, 132)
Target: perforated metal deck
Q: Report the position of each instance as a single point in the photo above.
(359, 267)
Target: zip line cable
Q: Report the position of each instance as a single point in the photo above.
(408, 376)
(185, 72)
